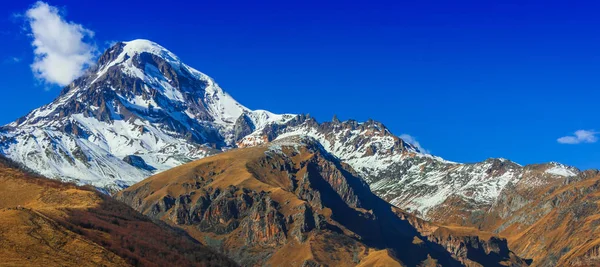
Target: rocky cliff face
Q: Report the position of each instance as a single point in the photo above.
(292, 202)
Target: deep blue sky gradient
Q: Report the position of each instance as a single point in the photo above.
(469, 79)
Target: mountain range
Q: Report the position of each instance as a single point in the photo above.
(141, 112)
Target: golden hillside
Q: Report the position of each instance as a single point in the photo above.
(48, 223)
(560, 227)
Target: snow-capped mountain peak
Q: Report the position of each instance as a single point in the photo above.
(139, 110)
(147, 46)
(127, 50)
(145, 60)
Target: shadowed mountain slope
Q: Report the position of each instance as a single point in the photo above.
(289, 202)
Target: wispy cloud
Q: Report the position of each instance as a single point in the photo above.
(13, 60)
(579, 137)
(63, 49)
(413, 141)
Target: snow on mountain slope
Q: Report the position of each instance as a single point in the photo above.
(401, 174)
(139, 100)
(369, 147)
(562, 170)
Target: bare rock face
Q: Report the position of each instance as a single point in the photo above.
(291, 202)
(265, 226)
(243, 127)
(138, 162)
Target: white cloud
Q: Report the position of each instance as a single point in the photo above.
(413, 141)
(580, 136)
(62, 49)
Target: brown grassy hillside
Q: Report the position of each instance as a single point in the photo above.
(48, 223)
(561, 227)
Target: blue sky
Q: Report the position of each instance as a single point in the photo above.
(468, 79)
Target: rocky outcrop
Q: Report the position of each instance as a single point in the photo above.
(469, 249)
(243, 126)
(265, 226)
(138, 162)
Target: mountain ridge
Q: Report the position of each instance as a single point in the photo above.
(141, 110)
(255, 204)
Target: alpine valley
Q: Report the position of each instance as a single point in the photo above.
(270, 189)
